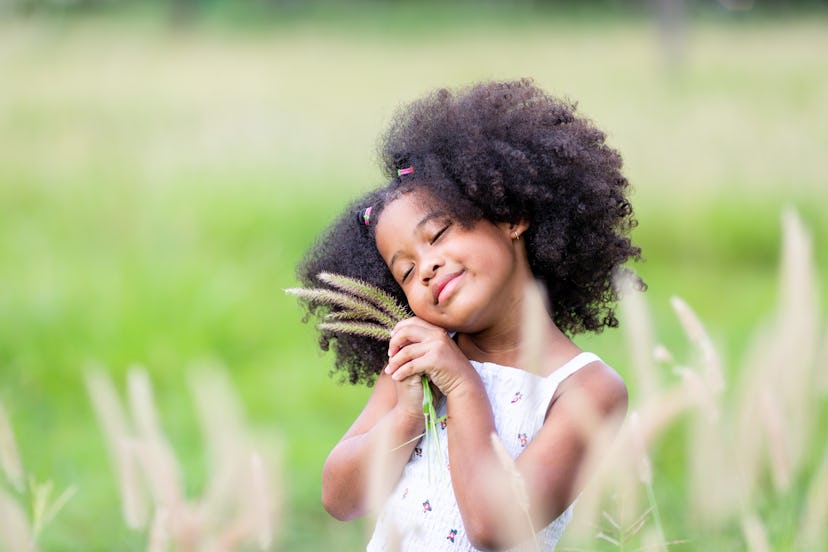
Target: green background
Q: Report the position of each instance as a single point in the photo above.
(158, 183)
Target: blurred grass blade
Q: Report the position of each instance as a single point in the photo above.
(774, 424)
(120, 444)
(518, 494)
(261, 503)
(693, 327)
(534, 316)
(638, 330)
(755, 534)
(159, 535)
(380, 479)
(15, 535)
(813, 531)
(159, 462)
(223, 431)
(44, 509)
(9, 455)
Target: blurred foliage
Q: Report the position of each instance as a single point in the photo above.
(157, 188)
(275, 11)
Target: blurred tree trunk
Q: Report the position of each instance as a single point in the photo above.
(672, 24)
(183, 12)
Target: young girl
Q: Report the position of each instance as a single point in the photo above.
(490, 188)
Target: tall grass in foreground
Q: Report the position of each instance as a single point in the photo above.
(751, 438)
(240, 506)
(19, 530)
(751, 453)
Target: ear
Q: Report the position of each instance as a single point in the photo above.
(517, 229)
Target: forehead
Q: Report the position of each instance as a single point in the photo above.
(402, 217)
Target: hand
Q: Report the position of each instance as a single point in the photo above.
(410, 397)
(417, 347)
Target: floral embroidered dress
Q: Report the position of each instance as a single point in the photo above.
(422, 515)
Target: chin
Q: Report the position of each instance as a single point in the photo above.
(465, 325)
(457, 317)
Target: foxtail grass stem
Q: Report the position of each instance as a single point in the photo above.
(360, 308)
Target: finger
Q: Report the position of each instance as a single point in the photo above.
(411, 369)
(405, 355)
(409, 331)
(410, 361)
(406, 335)
(414, 321)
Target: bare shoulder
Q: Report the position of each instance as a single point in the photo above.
(597, 383)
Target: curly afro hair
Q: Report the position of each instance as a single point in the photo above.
(505, 152)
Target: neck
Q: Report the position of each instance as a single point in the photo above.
(503, 344)
(492, 345)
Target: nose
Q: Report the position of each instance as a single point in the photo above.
(429, 268)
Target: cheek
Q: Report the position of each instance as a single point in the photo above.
(493, 255)
(419, 300)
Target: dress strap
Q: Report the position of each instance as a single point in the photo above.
(572, 366)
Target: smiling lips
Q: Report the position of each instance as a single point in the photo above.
(443, 287)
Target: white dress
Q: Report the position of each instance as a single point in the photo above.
(421, 514)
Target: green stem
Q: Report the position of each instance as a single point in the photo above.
(432, 443)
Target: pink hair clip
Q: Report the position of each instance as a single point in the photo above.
(407, 170)
(366, 216)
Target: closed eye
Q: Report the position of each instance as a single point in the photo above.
(407, 274)
(440, 233)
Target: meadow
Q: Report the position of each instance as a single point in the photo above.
(159, 184)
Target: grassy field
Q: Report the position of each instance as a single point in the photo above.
(158, 185)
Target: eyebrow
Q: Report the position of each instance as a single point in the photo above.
(425, 220)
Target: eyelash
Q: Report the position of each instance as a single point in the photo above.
(440, 233)
(433, 240)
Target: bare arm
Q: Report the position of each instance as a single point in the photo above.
(550, 465)
(384, 423)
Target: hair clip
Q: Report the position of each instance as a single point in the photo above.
(407, 170)
(365, 216)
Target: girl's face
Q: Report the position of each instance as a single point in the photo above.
(459, 278)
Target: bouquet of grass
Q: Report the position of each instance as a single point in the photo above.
(358, 308)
